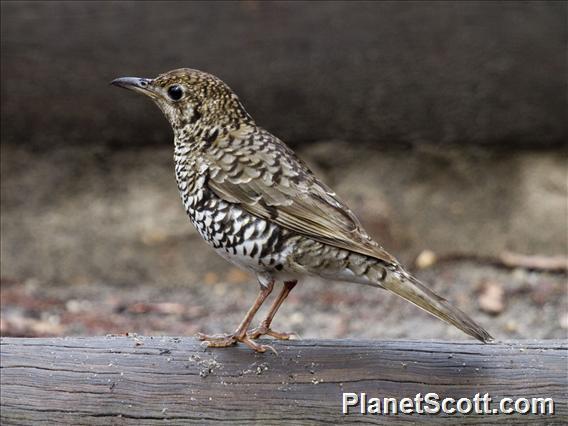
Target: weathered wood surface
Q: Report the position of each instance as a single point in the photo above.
(145, 380)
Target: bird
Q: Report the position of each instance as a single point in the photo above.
(261, 207)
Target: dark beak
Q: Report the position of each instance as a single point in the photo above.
(133, 83)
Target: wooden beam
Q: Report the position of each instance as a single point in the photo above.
(143, 380)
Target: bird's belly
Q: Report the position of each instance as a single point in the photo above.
(241, 238)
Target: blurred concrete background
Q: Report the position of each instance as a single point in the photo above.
(491, 73)
(442, 124)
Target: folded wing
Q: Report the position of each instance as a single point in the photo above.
(265, 177)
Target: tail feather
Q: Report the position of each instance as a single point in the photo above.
(409, 288)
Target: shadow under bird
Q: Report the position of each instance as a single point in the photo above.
(262, 208)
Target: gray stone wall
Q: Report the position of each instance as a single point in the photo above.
(383, 73)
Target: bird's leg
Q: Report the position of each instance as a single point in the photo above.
(264, 327)
(240, 334)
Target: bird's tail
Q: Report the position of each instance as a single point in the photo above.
(409, 288)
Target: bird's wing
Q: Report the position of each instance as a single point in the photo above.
(264, 176)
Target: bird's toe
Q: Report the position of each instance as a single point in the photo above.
(217, 340)
(263, 330)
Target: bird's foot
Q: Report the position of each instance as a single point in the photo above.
(264, 330)
(217, 340)
(225, 340)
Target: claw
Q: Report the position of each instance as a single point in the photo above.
(271, 348)
(256, 346)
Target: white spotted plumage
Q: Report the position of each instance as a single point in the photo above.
(261, 207)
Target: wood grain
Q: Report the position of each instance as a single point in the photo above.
(148, 380)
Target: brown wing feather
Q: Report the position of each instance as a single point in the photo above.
(258, 171)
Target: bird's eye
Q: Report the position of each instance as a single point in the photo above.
(175, 92)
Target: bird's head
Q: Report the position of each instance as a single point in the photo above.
(190, 99)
